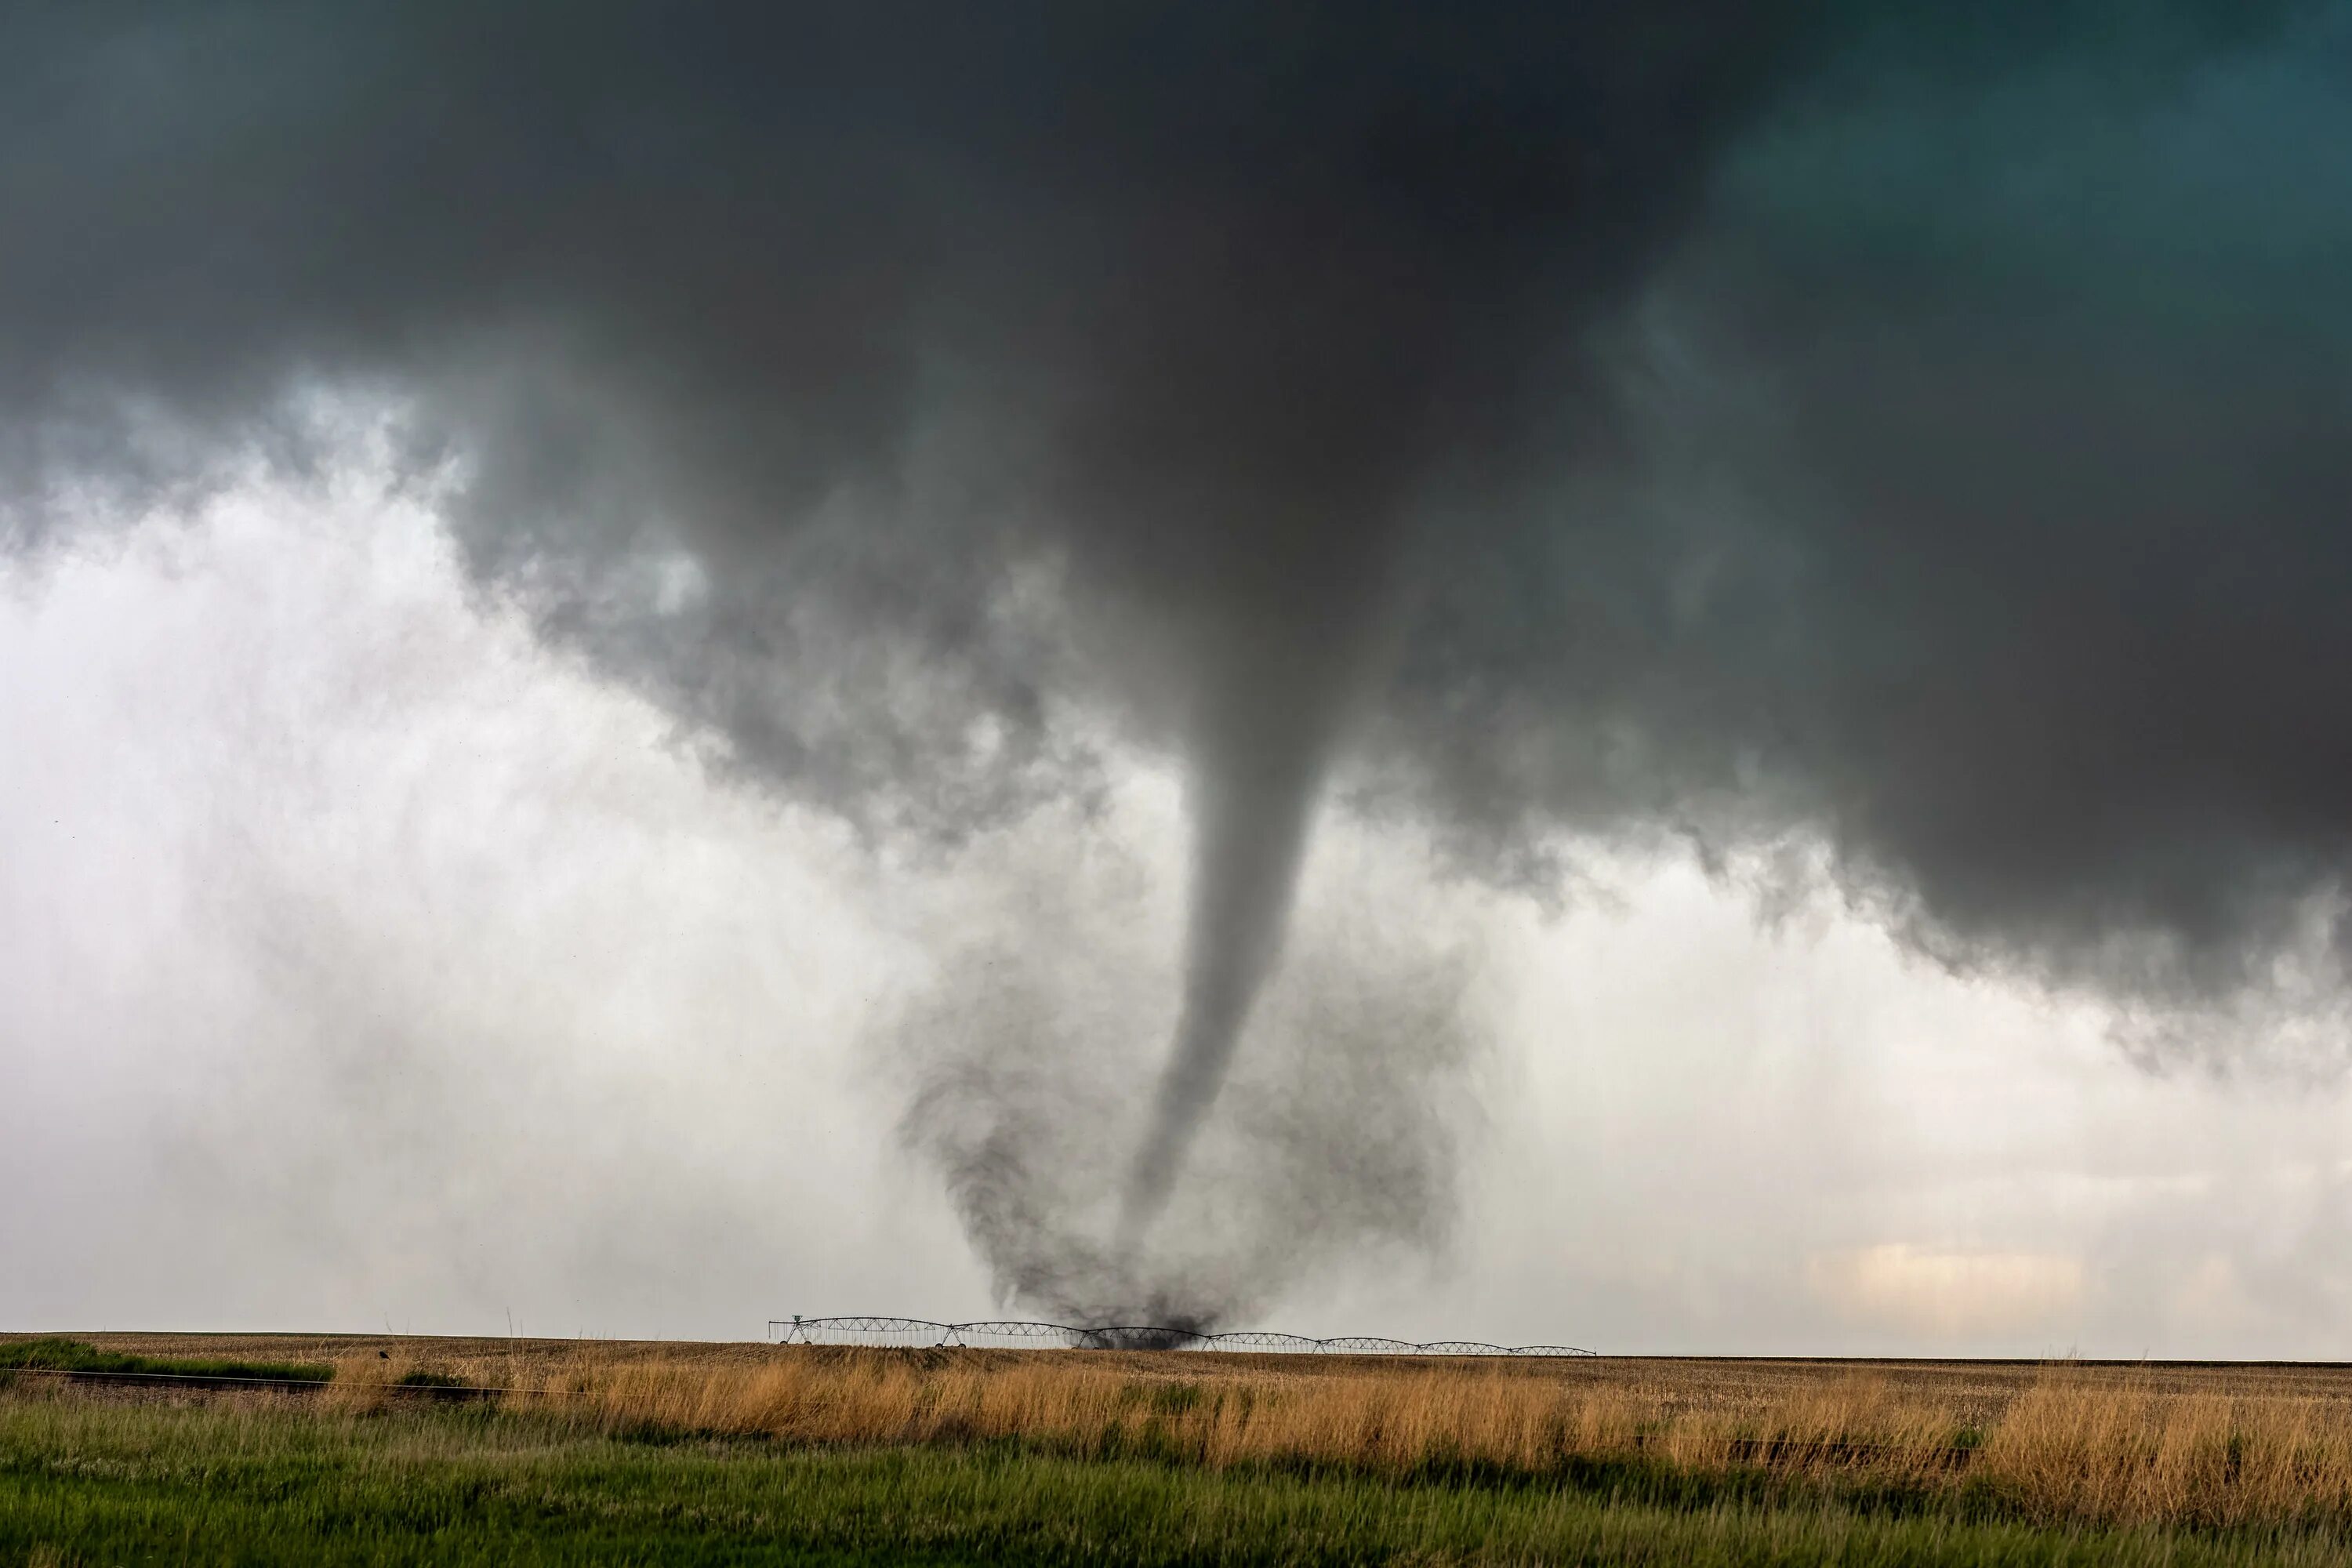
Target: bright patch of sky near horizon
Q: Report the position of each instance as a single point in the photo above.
(364, 963)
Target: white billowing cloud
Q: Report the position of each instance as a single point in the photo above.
(362, 961)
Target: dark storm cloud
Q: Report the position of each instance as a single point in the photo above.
(1180, 310)
(1742, 420)
(1986, 511)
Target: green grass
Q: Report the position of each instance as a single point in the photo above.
(91, 1482)
(54, 1354)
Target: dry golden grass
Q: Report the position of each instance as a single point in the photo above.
(2076, 1443)
(2180, 1445)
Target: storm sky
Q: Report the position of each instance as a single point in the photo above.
(1681, 666)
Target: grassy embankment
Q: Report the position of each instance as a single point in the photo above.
(1173, 1458)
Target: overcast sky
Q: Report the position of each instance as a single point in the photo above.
(363, 963)
(1669, 675)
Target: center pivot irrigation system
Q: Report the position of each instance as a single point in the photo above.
(921, 1331)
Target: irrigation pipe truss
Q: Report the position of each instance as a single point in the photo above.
(1137, 1337)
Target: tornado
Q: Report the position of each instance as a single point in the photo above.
(1270, 710)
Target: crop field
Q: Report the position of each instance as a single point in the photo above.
(397, 1450)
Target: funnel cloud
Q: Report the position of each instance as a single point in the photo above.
(1902, 444)
(1337, 1153)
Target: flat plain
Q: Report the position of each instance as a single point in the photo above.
(550, 1450)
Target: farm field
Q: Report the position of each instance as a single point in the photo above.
(692, 1453)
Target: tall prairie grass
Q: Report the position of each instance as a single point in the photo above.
(2105, 1445)
(92, 1476)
